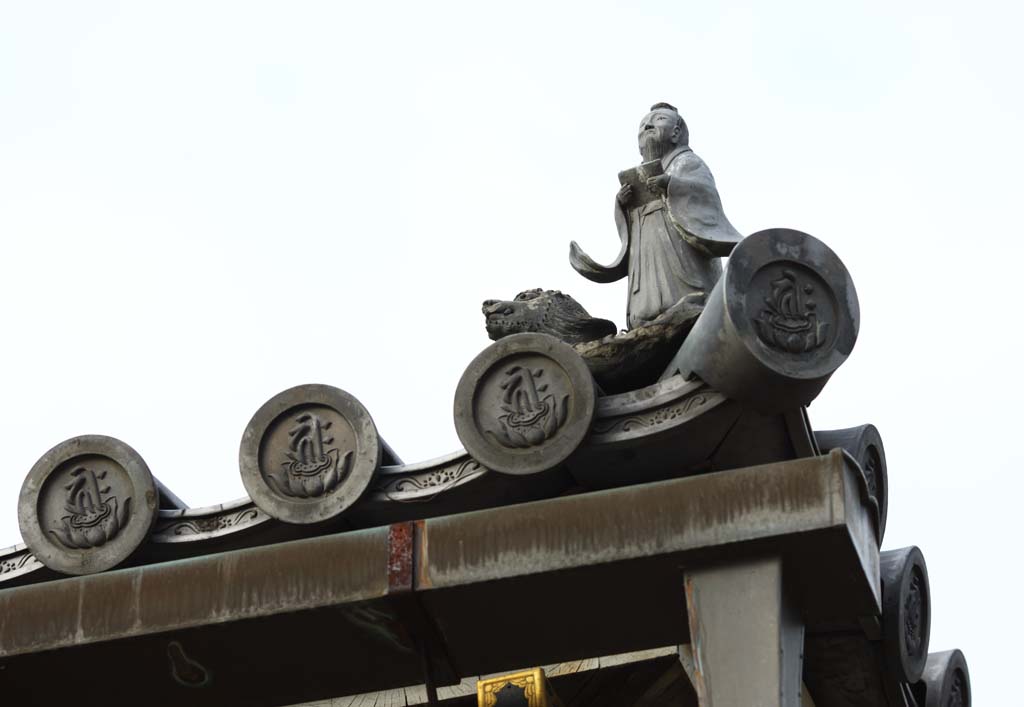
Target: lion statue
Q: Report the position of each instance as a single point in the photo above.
(619, 361)
(545, 312)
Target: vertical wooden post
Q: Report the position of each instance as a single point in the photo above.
(747, 640)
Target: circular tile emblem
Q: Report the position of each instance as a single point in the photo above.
(782, 318)
(309, 453)
(524, 404)
(906, 612)
(793, 301)
(87, 505)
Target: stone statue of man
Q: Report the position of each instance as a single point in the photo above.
(670, 223)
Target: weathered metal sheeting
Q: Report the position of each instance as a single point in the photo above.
(243, 584)
(478, 578)
(723, 508)
(812, 511)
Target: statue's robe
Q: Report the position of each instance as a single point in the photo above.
(670, 246)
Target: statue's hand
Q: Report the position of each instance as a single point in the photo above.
(624, 195)
(659, 184)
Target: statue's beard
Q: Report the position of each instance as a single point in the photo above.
(653, 147)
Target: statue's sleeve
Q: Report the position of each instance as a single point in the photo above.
(696, 209)
(617, 269)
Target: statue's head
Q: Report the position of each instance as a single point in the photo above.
(661, 131)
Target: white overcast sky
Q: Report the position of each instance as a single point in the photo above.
(204, 203)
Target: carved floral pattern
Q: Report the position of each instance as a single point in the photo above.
(13, 564)
(438, 480)
(652, 418)
(211, 524)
